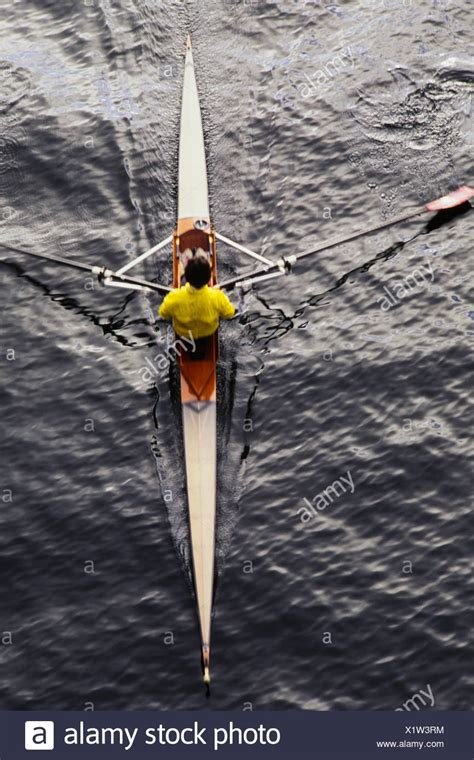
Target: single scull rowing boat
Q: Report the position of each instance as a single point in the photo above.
(198, 375)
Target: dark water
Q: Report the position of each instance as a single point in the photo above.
(318, 119)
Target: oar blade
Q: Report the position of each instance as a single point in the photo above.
(461, 195)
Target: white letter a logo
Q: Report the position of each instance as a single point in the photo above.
(39, 734)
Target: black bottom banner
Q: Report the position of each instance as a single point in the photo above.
(228, 735)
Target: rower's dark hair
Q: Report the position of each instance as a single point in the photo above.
(197, 272)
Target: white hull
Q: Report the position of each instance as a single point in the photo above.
(198, 378)
(199, 425)
(192, 179)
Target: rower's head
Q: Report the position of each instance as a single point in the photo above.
(198, 272)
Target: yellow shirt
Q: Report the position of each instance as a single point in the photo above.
(195, 310)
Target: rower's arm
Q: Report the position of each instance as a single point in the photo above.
(225, 307)
(166, 309)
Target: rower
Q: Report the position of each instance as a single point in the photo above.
(196, 308)
(189, 254)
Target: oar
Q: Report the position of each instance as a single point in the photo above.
(104, 275)
(458, 197)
